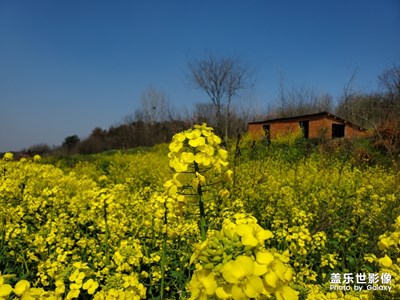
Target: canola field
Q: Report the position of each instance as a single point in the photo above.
(192, 220)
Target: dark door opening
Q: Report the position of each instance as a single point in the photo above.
(304, 127)
(337, 130)
(266, 128)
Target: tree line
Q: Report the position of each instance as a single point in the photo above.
(223, 80)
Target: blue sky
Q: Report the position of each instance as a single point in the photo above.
(67, 67)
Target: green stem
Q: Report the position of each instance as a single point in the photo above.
(3, 233)
(203, 221)
(164, 252)
(107, 233)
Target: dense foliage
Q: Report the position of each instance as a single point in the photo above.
(193, 220)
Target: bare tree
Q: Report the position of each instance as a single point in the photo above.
(302, 100)
(349, 94)
(390, 80)
(379, 111)
(204, 113)
(250, 110)
(371, 109)
(221, 78)
(353, 104)
(155, 107)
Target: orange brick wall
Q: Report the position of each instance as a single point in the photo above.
(255, 130)
(318, 128)
(280, 128)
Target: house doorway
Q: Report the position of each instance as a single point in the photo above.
(267, 133)
(304, 125)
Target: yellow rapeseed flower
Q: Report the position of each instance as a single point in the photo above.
(245, 231)
(235, 270)
(213, 140)
(385, 262)
(21, 287)
(384, 243)
(202, 284)
(286, 293)
(5, 290)
(202, 159)
(91, 286)
(8, 156)
(264, 257)
(200, 141)
(187, 157)
(175, 146)
(73, 294)
(77, 276)
(177, 165)
(203, 127)
(179, 137)
(253, 286)
(193, 134)
(60, 286)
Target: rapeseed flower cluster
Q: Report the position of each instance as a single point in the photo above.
(198, 161)
(234, 264)
(199, 165)
(8, 156)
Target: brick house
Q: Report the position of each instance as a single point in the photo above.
(318, 125)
